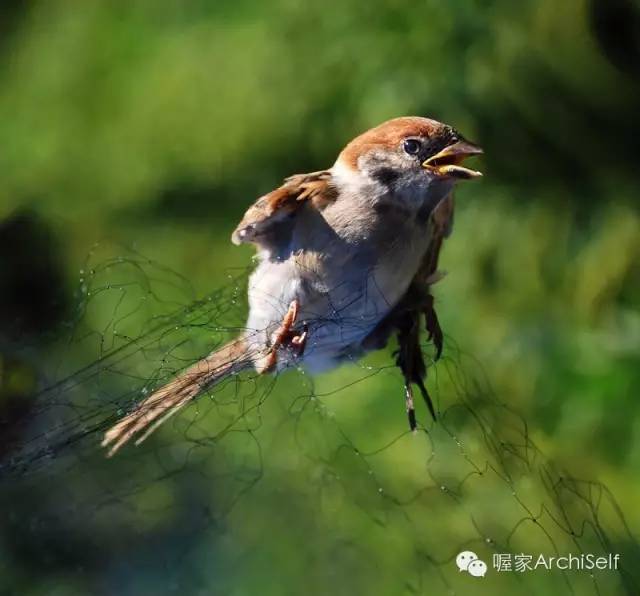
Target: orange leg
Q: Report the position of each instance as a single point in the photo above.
(300, 341)
(284, 337)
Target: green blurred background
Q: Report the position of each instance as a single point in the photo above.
(148, 128)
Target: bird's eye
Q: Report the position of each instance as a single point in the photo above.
(411, 146)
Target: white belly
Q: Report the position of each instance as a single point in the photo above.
(340, 299)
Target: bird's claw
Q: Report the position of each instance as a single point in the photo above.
(299, 342)
(285, 336)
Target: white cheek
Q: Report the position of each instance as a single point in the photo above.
(344, 176)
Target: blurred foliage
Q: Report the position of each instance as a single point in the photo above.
(154, 125)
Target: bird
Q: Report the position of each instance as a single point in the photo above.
(345, 258)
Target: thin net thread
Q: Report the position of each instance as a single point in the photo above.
(473, 480)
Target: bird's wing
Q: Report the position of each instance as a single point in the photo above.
(268, 219)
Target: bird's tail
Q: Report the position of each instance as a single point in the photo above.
(149, 414)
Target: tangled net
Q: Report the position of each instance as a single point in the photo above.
(270, 482)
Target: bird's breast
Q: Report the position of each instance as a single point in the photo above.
(346, 269)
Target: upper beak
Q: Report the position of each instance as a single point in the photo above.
(448, 161)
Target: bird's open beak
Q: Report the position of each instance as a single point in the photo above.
(448, 161)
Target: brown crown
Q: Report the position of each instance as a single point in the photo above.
(389, 135)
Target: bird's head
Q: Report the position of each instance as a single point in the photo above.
(408, 159)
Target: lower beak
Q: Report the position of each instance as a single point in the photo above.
(448, 162)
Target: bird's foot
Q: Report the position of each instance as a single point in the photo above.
(285, 336)
(299, 342)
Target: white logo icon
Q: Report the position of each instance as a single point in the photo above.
(468, 561)
(477, 568)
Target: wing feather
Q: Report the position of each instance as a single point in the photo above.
(263, 222)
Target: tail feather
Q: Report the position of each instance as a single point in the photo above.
(149, 414)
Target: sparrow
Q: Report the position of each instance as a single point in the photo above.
(345, 259)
